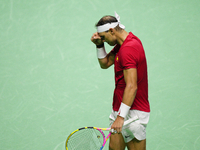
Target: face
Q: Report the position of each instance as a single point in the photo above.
(108, 38)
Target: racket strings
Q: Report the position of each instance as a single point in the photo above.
(86, 139)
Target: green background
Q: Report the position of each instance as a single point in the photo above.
(51, 82)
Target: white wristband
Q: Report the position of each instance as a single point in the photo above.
(123, 110)
(101, 52)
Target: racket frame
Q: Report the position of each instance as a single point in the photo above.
(100, 130)
(96, 128)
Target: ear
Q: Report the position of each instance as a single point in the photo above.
(112, 31)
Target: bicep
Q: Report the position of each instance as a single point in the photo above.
(130, 77)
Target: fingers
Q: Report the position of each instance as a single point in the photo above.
(116, 129)
(113, 131)
(95, 36)
(96, 39)
(118, 124)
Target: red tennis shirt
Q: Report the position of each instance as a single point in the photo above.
(131, 55)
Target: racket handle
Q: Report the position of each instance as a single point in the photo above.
(130, 120)
(127, 122)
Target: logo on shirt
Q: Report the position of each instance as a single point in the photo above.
(117, 58)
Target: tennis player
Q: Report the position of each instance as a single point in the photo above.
(130, 98)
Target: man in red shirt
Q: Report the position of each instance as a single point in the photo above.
(130, 98)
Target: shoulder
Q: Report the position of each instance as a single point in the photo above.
(129, 51)
(132, 41)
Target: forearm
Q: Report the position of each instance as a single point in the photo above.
(127, 101)
(129, 95)
(102, 56)
(105, 60)
(130, 77)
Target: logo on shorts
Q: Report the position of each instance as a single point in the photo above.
(127, 136)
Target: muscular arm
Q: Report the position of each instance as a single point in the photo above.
(130, 76)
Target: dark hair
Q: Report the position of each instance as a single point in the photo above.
(105, 20)
(108, 19)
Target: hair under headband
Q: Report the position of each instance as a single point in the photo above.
(107, 26)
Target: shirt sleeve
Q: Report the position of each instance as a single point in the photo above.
(129, 58)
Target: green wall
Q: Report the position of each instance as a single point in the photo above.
(51, 83)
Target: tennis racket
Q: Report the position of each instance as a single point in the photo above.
(90, 138)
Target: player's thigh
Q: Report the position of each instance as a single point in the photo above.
(136, 144)
(116, 142)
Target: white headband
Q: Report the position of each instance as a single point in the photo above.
(107, 26)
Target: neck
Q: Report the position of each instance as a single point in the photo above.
(121, 36)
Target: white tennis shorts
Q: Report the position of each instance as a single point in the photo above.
(137, 128)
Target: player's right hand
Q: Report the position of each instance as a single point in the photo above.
(96, 39)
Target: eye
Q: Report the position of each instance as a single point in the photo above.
(102, 37)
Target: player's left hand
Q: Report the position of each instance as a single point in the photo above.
(118, 124)
(96, 39)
